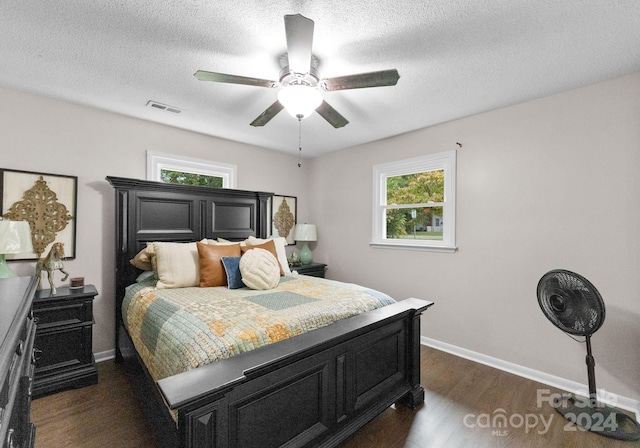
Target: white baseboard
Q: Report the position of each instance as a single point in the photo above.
(105, 356)
(625, 403)
(573, 387)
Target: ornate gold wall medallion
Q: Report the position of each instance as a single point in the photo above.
(49, 215)
(284, 217)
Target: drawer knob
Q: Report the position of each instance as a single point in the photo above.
(37, 354)
(20, 348)
(9, 443)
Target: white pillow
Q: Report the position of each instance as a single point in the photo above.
(220, 242)
(280, 243)
(259, 269)
(178, 265)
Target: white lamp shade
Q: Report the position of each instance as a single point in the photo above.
(300, 99)
(15, 237)
(306, 232)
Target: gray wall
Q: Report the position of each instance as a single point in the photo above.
(547, 184)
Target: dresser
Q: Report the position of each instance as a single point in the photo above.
(17, 335)
(64, 355)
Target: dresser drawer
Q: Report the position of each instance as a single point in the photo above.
(8, 384)
(19, 366)
(16, 361)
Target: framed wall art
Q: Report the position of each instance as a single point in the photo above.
(47, 202)
(283, 217)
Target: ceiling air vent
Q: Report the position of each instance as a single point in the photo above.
(161, 106)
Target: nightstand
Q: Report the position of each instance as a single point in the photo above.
(64, 357)
(312, 269)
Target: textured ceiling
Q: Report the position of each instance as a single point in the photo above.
(455, 58)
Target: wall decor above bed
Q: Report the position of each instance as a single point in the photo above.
(284, 211)
(47, 202)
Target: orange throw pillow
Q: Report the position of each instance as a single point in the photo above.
(212, 271)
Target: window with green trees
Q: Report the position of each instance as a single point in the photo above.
(177, 169)
(181, 177)
(416, 205)
(415, 202)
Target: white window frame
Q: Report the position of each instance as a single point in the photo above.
(158, 161)
(440, 161)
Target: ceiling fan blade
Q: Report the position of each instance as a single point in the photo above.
(362, 80)
(299, 32)
(268, 114)
(233, 79)
(331, 115)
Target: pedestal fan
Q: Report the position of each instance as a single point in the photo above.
(575, 306)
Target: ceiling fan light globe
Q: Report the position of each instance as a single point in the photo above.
(300, 99)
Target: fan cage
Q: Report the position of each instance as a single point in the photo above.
(571, 302)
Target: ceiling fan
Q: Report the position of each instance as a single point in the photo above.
(300, 84)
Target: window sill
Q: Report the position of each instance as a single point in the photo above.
(405, 246)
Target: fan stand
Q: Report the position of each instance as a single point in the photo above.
(587, 414)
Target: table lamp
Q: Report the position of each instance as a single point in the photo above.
(15, 238)
(305, 232)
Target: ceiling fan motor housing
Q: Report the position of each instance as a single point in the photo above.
(287, 77)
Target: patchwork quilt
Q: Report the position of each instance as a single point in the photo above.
(175, 330)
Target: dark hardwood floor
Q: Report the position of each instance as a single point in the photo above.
(463, 400)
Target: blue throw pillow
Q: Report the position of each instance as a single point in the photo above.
(232, 268)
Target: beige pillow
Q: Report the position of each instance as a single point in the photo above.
(218, 242)
(281, 253)
(260, 269)
(142, 259)
(212, 271)
(177, 264)
(268, 246)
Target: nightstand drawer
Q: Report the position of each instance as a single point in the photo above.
(61, 350)
(56, 314)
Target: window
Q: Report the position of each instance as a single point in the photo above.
(186, 170)
(414, 203)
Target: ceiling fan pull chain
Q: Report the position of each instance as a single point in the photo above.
(299, 117)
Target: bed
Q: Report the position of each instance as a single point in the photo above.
(305, 387)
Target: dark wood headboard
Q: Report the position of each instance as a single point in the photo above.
(155, 211)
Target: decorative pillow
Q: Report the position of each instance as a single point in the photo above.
(232, 269)
(260, 269)
(269, 245)
(212, 271)
(177, 265)
(281, 253)
(144, 276)
(142, 259)
(218, 242)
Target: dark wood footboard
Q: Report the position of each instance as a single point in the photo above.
(312, 390)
